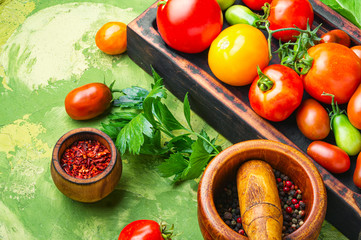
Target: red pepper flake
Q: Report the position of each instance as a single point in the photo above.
(85, 159)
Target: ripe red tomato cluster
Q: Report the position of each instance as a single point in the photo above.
(236, 52)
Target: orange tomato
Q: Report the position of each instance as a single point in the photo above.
(235, 54)
(357, 50)
(111, 38)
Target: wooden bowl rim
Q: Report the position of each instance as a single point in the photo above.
(79, 131)
(207, 205)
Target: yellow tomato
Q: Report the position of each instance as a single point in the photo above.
(111, 38)
(235, 54)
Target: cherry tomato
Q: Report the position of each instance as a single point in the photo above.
(224, 4)
(313, 120)
(357, 50)
(289, 13)
(256, 4)
(88, 101)
(111, 38)
(357, 172)
(189, 26)
(335, 70)
(354, 108)
(142, 230)
(235, 54)
(336, 36)
(276, 93)
(329, 156)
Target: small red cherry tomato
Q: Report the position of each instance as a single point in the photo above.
(142, 230)
(88, 101)
(357, 50)
(256, 4)
(329, 156)
(288, 14)
(354, 108)
(357, 172)
(336, 36)
(276, 93)
(111, 38)
(189, 26)
(313, 120)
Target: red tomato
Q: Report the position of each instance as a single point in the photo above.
(354, 108)
(289, 13)
(88, 101)
(357, 50)
(329, 156)
(112, 38)
(256, 4)
(141, 230)
(335, 70)
(313, 120)
(189, 26)
(336, 36)
(281, 93)
(357, 172)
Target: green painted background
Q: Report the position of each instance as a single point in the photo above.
(47, 49)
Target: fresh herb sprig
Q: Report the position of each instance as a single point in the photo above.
(144, 121)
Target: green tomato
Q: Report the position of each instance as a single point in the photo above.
(224, 4)
(241, 14)
(347, 137)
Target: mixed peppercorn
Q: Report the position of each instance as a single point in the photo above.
(85, 159)
(290, 195)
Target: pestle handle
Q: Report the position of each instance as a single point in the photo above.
(259, 202)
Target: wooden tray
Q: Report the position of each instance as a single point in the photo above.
(227, 108)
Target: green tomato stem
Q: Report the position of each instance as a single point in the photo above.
(264, 83)
(162, 2)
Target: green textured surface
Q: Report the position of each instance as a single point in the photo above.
(46, 49)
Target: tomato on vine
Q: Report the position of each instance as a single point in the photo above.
(289, 14)
(111, 38)
(276, 93)
(189, 26)
(335, 70)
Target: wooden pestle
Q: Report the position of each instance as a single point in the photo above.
(259, 202)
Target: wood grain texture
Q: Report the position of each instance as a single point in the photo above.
(223, 168)
(259, 203)
(227, 108)
(91, 189)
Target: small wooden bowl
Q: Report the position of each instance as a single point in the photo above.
(91, 189)
(298, 167)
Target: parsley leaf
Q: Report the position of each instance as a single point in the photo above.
(139, 131)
